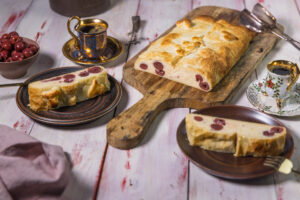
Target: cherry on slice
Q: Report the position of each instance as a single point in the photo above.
(276, 130)
(198, 78)
(216, 127)
(158, 65)
(267, 133)
(204, 85)
(220, 121)
(198, 118)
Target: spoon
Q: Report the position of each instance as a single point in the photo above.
(255, 24)
(264, 15)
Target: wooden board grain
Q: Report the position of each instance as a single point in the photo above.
(161, 94)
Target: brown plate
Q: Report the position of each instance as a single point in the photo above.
(80, 113)
(225, 165)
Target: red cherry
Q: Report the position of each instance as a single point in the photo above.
(14, 39)
(27, 52)
(18, 56)
(9, 59)
(33, 48)
(13, 52)
(1, 59)
(5, 36)
(4, 54)
(6, 45)
(19, 46)
(13, 33)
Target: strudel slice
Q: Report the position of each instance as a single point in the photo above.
(67, 89)
(197, 52)
(234, 136)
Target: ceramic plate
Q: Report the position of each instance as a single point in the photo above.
(291, 107)
(225, 165)
(82, 112)
(113, 51)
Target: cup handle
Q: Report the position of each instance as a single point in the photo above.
(294, 77)
(70, 31)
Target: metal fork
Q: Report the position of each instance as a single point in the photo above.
(281, 164)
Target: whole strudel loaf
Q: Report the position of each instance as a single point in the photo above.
(234, 136)
(197, 52)
(67, 89)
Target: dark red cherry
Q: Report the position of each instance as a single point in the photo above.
(14, 39)
(4, 54)
(19, 46)
(13, 33)
(33, 48)
(6, 45)
(27, 52)
(5, 36)
(9, 59)
(18, 56)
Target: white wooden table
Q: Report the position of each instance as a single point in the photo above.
(157, 169)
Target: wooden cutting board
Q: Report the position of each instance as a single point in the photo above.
(129, 128)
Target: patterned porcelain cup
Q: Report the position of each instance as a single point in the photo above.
(92, 37)
(282, 76)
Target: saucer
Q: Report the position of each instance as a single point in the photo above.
(113, 51)
(256, 95)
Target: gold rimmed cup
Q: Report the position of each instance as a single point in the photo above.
(92, 37)
(281, 78)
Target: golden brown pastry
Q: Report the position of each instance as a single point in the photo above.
(67, 89)
(234, 136)
(197, 52)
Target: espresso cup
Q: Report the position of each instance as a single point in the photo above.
(92, 37)
(282, 76)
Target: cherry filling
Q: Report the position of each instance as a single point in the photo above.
(216, 127)
(94, 70)
(220, 121)
(69, 76)
(160, 72)
(68, 80)
(53, 79)
(84, 73)
(199, 78)
(143, 66)
(204, 85)
(158, 65)
(198, 118)
(276, 130)
(268, 133)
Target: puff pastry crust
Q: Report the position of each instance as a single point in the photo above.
(197, 52)
(234, 136)
(68, 89)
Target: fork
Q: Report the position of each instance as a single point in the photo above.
(281, 164)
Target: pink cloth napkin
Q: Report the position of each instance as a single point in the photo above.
(30, 169)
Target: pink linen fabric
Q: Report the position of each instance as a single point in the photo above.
(30, 169)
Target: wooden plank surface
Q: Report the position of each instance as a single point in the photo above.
(161, 93)
(157, 169)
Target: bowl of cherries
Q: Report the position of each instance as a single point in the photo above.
(16, 55)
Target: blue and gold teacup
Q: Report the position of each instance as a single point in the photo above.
(92, 37)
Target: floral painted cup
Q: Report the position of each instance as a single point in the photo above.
(282, 76)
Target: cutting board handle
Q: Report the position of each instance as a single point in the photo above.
(129, 128)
